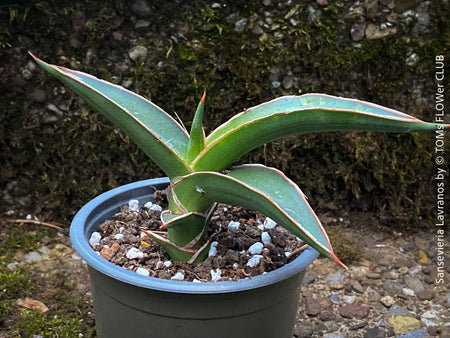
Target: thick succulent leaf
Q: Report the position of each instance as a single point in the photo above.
(153, 130)
(184, 229)
(291, 115)
(197, 135)
(178, 253)
(259, 188)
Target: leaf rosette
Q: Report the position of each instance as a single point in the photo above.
(195, 163)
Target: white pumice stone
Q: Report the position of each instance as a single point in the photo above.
(153, 206)
(178, 276)
(287, 254)
(134, 253)
(269, 223)
(142, 271)
(213, 249)
(255, 248)
(260, 227)
(232, 226)
(196, 281)
(133, 205)
(408, 292)
(265, 238)
(95, 238)
(156, 207)
(235, 266)
(118, 236)
(167, 263)
(215, 274)
(121, 229)
(254, 261)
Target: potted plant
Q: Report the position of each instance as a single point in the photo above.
(199, 176)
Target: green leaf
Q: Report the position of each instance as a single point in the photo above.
(197, 136)
(185, 228)
(178, 253)
(291, 115)
(153, 130)
(259, 188)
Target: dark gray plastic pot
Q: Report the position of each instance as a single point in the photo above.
(130, 305)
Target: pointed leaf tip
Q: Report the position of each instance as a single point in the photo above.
(338, 261)
(202, 100)
(34, 57)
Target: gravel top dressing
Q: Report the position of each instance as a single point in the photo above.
(244, 244)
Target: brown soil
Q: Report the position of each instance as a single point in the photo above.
(232, 245)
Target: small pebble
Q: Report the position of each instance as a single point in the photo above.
(269, 223)
(54, 109)
(332, 335)
(215, 274)
(138, 53)
(213, 249)
(357, 286)
(240, 24)
(408, 292)
(349, 299)
(178, 276)
(118, 236)
(335, 277)
(429, 314)
(133, 205)
(26, 74)
(167, 264)
(156, 207)
(142, 271)
(256, 248)
(254, 261)
(387, 301)
(12, 266)
(265, 238)
(337, 285)
(335, 299)
(396, 310)
(33, 256)
(152, 206)
(95, 238)
(232, 226)
(134, 253)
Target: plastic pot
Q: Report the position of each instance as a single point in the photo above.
(130, 305)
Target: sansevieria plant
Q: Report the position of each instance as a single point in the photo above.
(198, 166)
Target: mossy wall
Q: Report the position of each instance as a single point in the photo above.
(55, 161)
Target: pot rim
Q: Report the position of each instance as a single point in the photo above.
(80, 242)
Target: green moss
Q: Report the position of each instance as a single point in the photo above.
(51, 325)
(345, 244)
(14, 284)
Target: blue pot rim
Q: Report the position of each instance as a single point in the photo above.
(79, 238)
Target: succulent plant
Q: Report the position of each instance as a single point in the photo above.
(200, 167)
